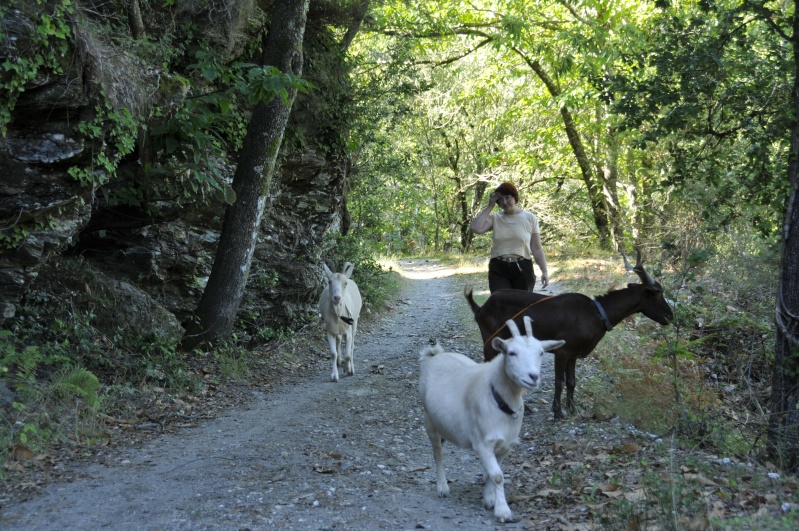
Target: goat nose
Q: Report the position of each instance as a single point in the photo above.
(336, 299)
(533, 378)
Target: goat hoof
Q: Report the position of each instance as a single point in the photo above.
(508, 520)
(503, 515)
(334, 377)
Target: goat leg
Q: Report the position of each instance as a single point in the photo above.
(335, 345)
(349, 351)
(571, 383)
(560, 374)
(436, 442)
(494, 490)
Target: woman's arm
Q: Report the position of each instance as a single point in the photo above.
(538, 254)
(482, 223)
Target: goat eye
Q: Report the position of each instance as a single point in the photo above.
(511, 353)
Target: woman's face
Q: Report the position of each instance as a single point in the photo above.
(506, 202)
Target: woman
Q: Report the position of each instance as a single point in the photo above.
(516, 240)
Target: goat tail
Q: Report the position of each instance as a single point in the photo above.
(467, 292)
(429, 352)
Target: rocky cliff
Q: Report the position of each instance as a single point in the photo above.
(150, 255)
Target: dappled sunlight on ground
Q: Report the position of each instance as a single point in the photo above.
(425, 268)
(422, 269)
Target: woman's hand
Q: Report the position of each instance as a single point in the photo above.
(493, 199)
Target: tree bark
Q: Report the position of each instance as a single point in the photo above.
(783, 429)
(359, 10)
(609, 176)
(135, 20)
(598, 206)
(215, 315)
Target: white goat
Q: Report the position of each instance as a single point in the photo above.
(479, 406)
(340, 304)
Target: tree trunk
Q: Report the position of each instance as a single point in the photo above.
(477, 200)
(598, 205)
(135, 20)
(783, 429)
(358, 12)
(216, 311)
(610, 178)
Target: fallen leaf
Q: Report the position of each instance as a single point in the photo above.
(20, 452)
(626, 448)
(698, 523)
(637, 495)
(13, 467)
(717, 510)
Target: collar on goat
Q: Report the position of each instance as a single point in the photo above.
(503, 406)
(492, 336)
(605, 319)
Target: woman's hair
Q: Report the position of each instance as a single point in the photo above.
(508, 189)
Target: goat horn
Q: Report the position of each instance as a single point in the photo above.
(528, 325)
(627, 265)
(514, 330)
(639, 270)
(646, 278)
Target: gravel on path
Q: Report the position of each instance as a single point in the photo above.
(310, 454)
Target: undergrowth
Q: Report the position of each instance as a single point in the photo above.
(64, 374)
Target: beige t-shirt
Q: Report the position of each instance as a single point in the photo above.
(512, 233)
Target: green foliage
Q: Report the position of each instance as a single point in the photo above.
(711, 83)
(233, 359)
(115, 131)
(194, 143)
(45, 406)
(50, 44)
(707, 376)
(75, 381)
(154, 360)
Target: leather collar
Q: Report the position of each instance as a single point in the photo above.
(605, 319)
(503, 406)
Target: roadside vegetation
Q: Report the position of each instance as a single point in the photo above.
(665, 126)
(701, 384)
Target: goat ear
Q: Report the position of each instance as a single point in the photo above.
(328, 272)
(348, 267)
(514, 330)
(552, 344)
(499, 344)
(528, 325)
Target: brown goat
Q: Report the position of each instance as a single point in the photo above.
(572, 317)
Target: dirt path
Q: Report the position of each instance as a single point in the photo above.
(319, 455)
